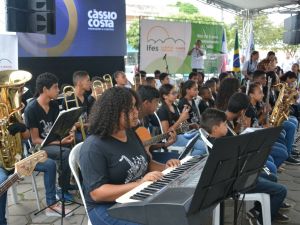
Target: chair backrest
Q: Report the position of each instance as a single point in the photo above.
(74, 166)
(160, 125)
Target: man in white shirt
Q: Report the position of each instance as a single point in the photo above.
(197, 53)
(250, 65)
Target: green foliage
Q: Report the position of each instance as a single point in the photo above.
(133, 34)
(187, 8)
(267, 36)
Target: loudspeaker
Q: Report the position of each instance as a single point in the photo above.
(292, 23)
(31, 16)
(291, 37)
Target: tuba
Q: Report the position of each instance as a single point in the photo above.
(108, 81)
(11, 89)
(69, 96)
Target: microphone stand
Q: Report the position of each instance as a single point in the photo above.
(166, 64)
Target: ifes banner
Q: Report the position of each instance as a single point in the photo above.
(9, 52)
(83, 28)
(165, 43)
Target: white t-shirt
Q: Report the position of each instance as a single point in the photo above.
(250, 66)
(197, 61)
(158, 83)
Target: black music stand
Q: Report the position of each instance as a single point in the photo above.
(60, 129)
(233, 167)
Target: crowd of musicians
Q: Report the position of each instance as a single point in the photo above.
(115, 158)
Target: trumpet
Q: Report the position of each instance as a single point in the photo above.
(108, 81)
(98, 88)
(69, 92)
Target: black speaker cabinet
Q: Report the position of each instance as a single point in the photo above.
(31, 16)
(291, 37)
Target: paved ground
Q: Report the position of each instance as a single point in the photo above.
(23, 212)
(291, 178)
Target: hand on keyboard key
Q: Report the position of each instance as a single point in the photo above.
(152, 176)
(172, 163)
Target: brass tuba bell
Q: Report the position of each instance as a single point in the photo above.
(11, 89)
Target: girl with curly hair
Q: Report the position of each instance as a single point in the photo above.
(113, 159)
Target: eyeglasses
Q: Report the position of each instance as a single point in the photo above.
(174, 93)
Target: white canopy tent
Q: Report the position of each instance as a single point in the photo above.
(248, 9)
(256, 6)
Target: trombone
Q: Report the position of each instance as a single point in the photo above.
(108, 81)
(98, 88)
(137, 81)
(69, 92)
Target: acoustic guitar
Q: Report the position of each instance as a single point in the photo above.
(24, 167)
(148, 140)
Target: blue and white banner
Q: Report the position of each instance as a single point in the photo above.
(9, 52)
(83, 28)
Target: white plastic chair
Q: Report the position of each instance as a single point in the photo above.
(264, 200)
(74, 165)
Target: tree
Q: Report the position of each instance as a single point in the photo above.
(267, 36)
(187, 8)
(133, 34)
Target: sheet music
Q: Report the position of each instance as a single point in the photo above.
(251, 129)
(61, 113)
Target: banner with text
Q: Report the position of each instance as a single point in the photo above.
(166, 44)
(83, 28)
(9, 52)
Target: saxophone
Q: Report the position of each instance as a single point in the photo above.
(279, 113)
(11, 89)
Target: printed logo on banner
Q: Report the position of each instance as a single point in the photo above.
(158, 39)
(101, 20)
(5, 64)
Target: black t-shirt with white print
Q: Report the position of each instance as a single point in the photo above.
(36, 117)
(165, 114)
(110, 161)
(194, 112)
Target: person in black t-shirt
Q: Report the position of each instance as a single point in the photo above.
(168, 113)
(207, 99)
(228, 87)
(171, 118)
(149, 101)
(40, 115)
(256, 95)
(235, 113)
(214, 122)
(189, 91)
(82, 84)
(113, 160)
(212, 84)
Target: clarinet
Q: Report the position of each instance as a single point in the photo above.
(268, 99)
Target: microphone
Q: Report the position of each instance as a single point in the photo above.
(165, 56)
